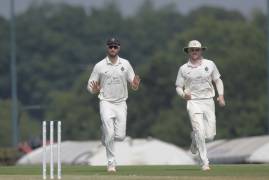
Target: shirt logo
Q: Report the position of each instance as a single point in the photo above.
(206, 69)
(122, 69)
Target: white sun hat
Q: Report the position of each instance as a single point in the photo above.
(194, 44)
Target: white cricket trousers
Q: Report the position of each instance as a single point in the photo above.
(203, 121)
(113, 117)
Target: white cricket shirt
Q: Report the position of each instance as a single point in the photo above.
(113, 79)
(198, 80)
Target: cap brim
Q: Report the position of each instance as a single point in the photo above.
(185, 49)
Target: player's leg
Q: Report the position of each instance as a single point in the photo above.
(119, 126)
(193, 147)
(120, 121)
(107, 117)
(192, 109)
(199, 136)
(196, 117)
(209, 120)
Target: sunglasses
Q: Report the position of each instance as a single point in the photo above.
(194, 49)
(111, 47)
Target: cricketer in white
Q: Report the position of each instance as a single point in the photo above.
(109, 79)
(194, 84)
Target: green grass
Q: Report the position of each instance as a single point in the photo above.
(217, 172)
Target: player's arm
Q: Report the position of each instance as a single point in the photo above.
(219, 85)
(94, 87)
(180, 81)
(133, 79)
(93, 82)
(135, 83)
(220, 89)
(184, 94)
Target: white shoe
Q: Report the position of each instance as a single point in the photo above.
(111, 169)
(193, 147)
(205, 168)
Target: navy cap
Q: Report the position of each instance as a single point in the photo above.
(113, 41)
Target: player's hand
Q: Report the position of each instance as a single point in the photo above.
(187, 96)
(221, 101)
(95, 86)
(136, 82)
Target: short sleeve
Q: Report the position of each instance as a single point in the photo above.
(215, 73)
(130, 72)
(95, 75)
(180, 78)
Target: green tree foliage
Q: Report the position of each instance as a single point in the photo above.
(5, 136)
(4, 58)
(28, 128)
(78, 112)
(58, 45)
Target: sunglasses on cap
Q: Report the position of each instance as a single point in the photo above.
(111, 47)
(194, 49)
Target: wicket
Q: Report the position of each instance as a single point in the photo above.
(44, 162)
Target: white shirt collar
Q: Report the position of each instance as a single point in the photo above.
(193, 65)
(109, 62)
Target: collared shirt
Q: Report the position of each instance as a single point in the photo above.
(198, 79)
(113, 79)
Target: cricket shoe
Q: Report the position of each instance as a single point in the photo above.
(111, 168)
(205, 168)
(193, 147)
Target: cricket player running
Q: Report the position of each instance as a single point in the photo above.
(109, 79)
(194, 84)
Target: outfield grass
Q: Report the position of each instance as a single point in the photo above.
(218, 172)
